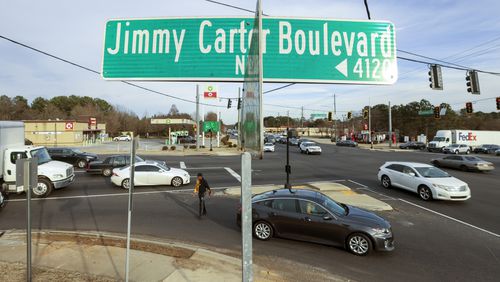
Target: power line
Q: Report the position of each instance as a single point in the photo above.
(97, 72)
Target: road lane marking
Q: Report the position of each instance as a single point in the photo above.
(451, 218)
(115, 194)
(204, 168)
(429, 210)
(364, 187)
(183, 165)
(233, 173)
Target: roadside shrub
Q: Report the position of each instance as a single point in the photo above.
(164, 148)
(186, 146)
(173, 148)
(230, 144)
(192, 147)
(225, 140)
(235, 145)
(202, 146)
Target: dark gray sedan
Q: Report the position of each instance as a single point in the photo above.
(464, 163)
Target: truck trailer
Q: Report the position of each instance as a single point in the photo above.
(471, 138)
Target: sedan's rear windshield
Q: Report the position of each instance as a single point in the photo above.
(431, 172)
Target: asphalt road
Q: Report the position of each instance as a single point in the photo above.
(435, 241)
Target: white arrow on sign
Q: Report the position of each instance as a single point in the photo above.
(342, 67)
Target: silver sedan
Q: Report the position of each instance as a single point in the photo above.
(464, 163)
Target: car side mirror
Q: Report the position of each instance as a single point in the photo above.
(327, 217)
(412, 174)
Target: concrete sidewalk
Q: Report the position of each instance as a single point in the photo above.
(68, 256)
(334, 190)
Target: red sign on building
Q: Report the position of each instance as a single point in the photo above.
(92, 123)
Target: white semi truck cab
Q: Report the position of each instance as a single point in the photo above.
(51, 174)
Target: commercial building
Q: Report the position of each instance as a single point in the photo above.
(64, 132)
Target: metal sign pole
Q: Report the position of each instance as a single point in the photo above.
(246, 216)
(26, 183)
(197, 116)
(130, 193)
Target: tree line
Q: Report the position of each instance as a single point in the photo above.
(406, 120)
(81, 108)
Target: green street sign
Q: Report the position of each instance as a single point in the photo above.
(426, 113)
(216, 49)
(211, 126)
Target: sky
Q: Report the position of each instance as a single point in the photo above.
(459, 31)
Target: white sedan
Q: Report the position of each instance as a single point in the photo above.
(269, 147)
(150, 173)
(428, 181)
(309, 148)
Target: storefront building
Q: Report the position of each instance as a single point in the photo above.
(64, 133)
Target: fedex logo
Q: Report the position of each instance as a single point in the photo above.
(467, 137)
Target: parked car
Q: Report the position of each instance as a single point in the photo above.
(150, 173)
(426, 180)
(497, 152)
(457, 149)
(106, 167)
(268, 147)
(413, 145)
(486, 149)
(72, 156)
(186, 140)
(464, 163)
(122, 138)
(293, 142)
(312, 216)
(346, 143)
(299, 141)
(309, 148)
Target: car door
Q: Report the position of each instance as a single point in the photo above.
(70, 156)
(408, 179)
(319, 225)
(447, 161)
(141, 175)
(394, 171)
(285, 217)
(56, 154)
(158, 176)
(119, 161)
(456, 161)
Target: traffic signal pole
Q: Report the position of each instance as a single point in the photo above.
(390, 125)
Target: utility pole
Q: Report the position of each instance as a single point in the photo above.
(197, 117)
(239, 119)
(288, 119)
(219, 120)
(390, 125)
(370, 139)
(302, 118)
(335, 115)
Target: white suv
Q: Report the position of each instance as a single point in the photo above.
(428, 181)
(457, 149)
(309, 148)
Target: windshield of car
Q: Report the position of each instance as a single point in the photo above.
(333, 206)
(432, 172)
(138, 159)
(164, 167)
(439, 139)
(42, 155)
(454, 145)
(268, 144)
(309, 144)
(77, 151)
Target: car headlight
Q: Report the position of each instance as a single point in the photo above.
(447, 188)
(57, 176)
(186, 175)
(381, 232)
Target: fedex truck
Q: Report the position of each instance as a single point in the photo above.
(472, 138)
(51, 174)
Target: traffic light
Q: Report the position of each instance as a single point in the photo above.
(229, 103)
(472, 81)
(329, 116)
(435, 77)
(498, 103)
(239, 103)
(468, 107)
(365, 114)
(349, 115)
(437, 114)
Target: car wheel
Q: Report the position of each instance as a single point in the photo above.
(359, 244)
(176, 181)
(463, 168)
(263, 230)
(385, 181)
(456, 152)
(468, 152)
(81, 164)
(42, 189)
(107, 172)
(126, 183)
(425, 193)
(307, 152)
